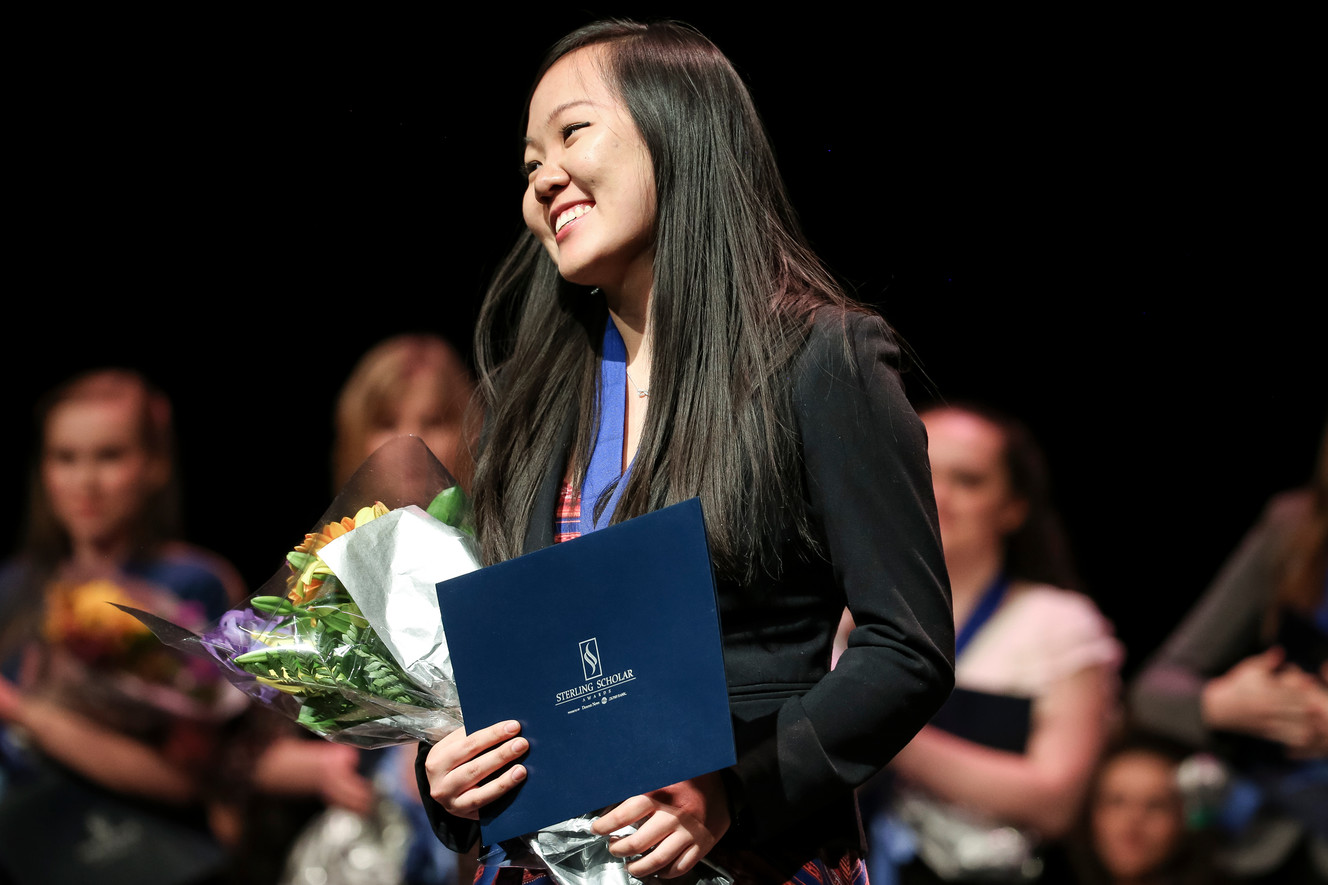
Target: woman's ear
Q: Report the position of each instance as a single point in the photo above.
(1013, 515)
(158, 473)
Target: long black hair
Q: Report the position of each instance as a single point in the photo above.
(735, 287)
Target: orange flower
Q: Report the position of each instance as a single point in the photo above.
(310, 572)
(80, 614)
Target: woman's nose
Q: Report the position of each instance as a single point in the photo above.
(549, 180)
(84, 476)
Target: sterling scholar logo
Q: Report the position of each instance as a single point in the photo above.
(595, 687)
(591, 665)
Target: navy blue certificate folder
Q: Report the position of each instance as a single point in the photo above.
(607, 650)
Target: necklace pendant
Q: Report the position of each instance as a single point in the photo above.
(640, 392)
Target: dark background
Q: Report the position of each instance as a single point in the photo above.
(1094, 223)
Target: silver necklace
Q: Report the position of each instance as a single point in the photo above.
(640, 392)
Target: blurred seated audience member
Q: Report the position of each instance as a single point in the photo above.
(408, 384)
(99, 723)
(1005, 764)
(1245, 675)
(1140, 825)
(414, 383)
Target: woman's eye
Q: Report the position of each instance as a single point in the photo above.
(572, 127)
(968, 480)
(528, 168)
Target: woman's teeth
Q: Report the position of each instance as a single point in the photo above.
(571, 214)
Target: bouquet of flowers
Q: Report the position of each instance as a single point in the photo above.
(108, 665)
(361, 662)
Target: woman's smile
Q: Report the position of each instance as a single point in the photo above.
(563, 217)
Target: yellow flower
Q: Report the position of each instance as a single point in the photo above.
(309, 569)
(83, 610)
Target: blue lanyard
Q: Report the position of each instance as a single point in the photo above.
(605, 466)
(988, 603)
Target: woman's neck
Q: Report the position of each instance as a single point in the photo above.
(630, 311)
(970, 574)
(99, 556)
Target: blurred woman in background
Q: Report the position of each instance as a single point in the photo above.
(91, 707)
(414, 383)
(1006, 762)
(1246, 676)
(407, 384)
(1136, 828)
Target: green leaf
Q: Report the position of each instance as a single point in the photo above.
(277, 605)
(298, 560)
(452, 507)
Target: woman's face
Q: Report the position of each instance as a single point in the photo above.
(425, 411)
(95, 470)
(1137, 816)
(974, 500)
(590, 197)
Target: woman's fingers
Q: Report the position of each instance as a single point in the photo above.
(668, 844)
(460, 767)
(656, 822)
(460, 746)
(665, 858)
(625, 813)
(678, 826)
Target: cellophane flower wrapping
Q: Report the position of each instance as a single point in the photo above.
(358, 657)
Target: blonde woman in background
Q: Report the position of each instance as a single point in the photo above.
(412, 383)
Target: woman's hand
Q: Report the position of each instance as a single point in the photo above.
(1261, 697)
(458, 765)
(11, 702)
(296, 766)
(678, 826)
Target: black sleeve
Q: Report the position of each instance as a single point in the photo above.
(869, 488)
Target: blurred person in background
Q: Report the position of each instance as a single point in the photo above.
(1004, 766)
(407, 384)
(413, 383)
(1245, 675)
(122, 760)
(1138, 826)
(98, 722)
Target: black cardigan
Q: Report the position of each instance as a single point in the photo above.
(807, 736)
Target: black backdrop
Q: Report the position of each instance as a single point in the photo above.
(1089, 222)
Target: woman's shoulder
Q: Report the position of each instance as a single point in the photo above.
(845, 344)
(838, 329)
(1065, 613)
(194, 573)
(1048, 599)
(1042, 633)
(1286, 512)
(848, 395)
(1067, 620)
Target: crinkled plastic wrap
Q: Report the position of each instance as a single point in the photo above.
(575, 855)
(346, 637)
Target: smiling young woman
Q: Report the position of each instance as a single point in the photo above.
(662, 332)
